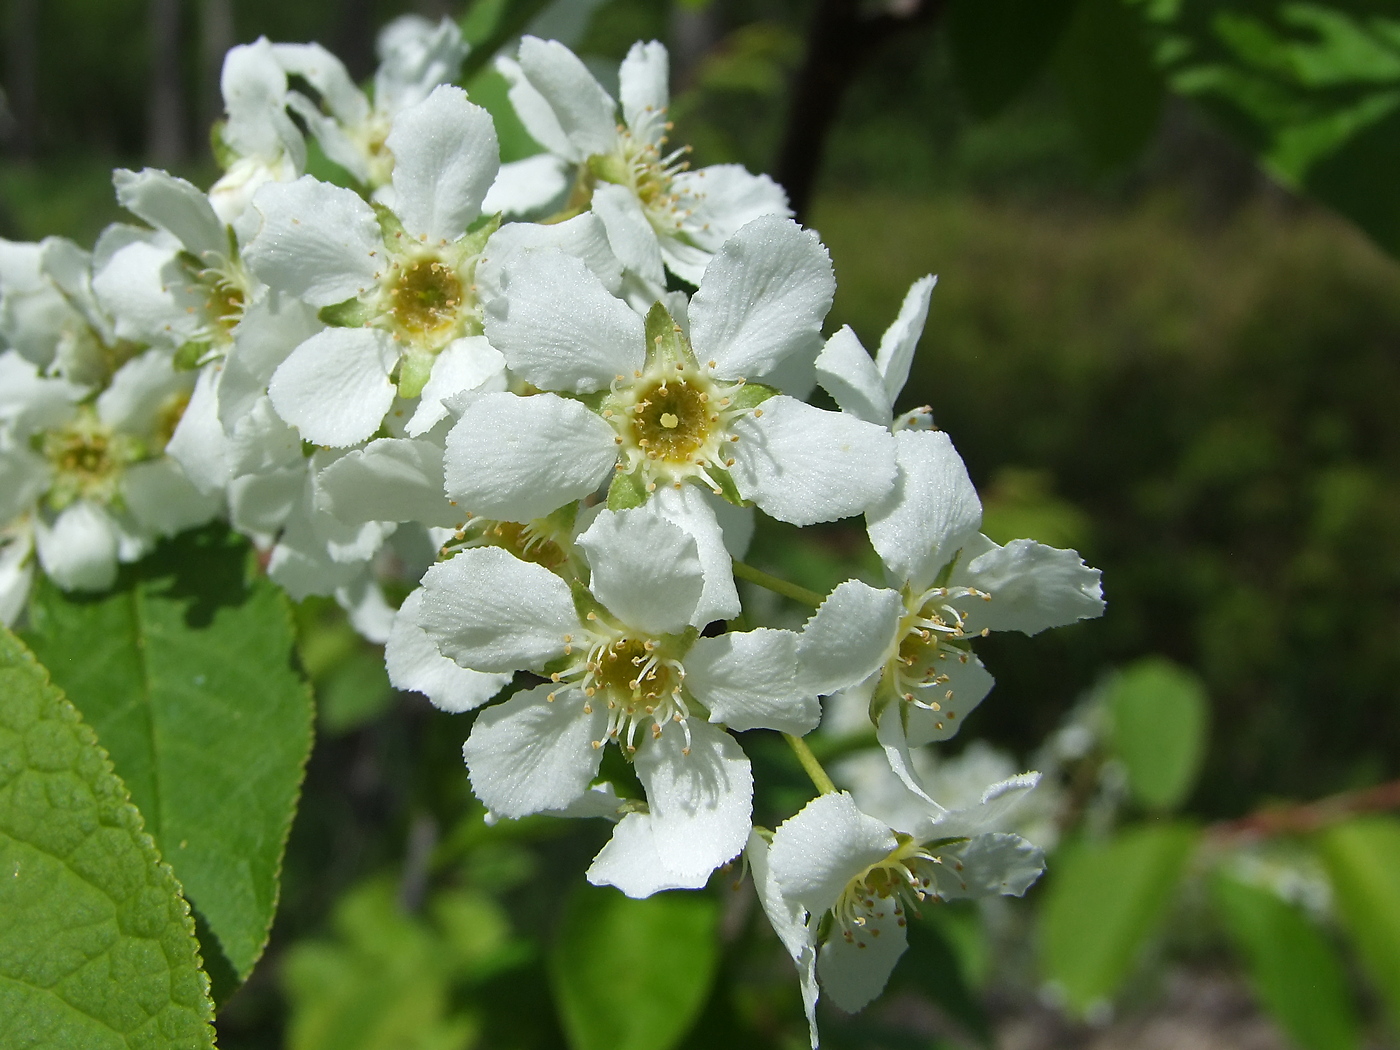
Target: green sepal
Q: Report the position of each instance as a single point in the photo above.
(350, 314)
(191, 355)
(727, 488)
(593, 401)
(414, 369)
(665, 338)
(609, 167)
(751, 395)
(626, 491)
(224, 154)
(389, 226)
(478, 233)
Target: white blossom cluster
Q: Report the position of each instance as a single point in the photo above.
(551, 394)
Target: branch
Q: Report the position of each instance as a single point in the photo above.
(839, 42)
(1307, 817)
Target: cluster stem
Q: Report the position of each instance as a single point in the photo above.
(779, 586)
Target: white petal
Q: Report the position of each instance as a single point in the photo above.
(644, 569)
(254, 87)
(644, 89)
(584, 237)
(585, 111)
(323, 71)
(79, 550)
(199, 443)
(490, 611)
(24, 477)
(467, 364)
(148, 293)
(525, 186)
(988, 866)
(1032, 587)
(520, 458)
(632, 862)
(749, 681)
(804, 465)
(849, 637)
(599, 801)
(317, 242)
(16, 575)
(847, 373)
(536, 113)
(762, 299)
(902, 725)
(30, 402)
(929, 514)
(175, 205)
(415, 55)
(141, 391)
(721, 199)
(853, 973)
(390, 479)
(700, 802)
(529, 754)
(445, 158)
(261, 503)
(366, 608)
(817, 852)
(559, 328)
(335, 387)
(164, 501)
(788, 919)
(898, 343)
(629, 232)
(994, 810)
(414, 664)
(697, 512)
(272, 327)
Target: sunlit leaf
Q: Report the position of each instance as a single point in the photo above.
(185, 672)
(633, 974)
(1159, 730)
(97, 948)
(1294, 970)
(1102, 903)
(1363, 858)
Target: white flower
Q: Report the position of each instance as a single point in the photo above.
(403, 280)
(258, 142)
(656, 211)
(415, 55)
(868, 388)
(903, 653)
(839, 886)
(90, 477)
(641, 404)
(625, 665)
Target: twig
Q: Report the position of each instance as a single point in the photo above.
(1301, 819)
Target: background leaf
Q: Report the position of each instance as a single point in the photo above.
(1103, 902)
(633, 974)
(1295, 971)
(1159, 714)
(97, 947)
(999, 47)
(185, 671)
(1110, 83)
(1363, 858)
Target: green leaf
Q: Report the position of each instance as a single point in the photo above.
(633, 974)
(999, 47)
(97, 947)
(1295, 971)
(1363, 858)
(1160, 718)
(387, 978)
(1103, 902)
(1109, 80)
(185, 671)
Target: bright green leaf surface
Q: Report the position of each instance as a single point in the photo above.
(1159, 730)
(999, 47)
(97, 947)
(1110, 83)
(1295, 971)
(385, 982)
(633, 974)
(1363, 858)
(1103, 901)
(185, 671)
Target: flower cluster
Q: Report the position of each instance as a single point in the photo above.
(551, 395)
